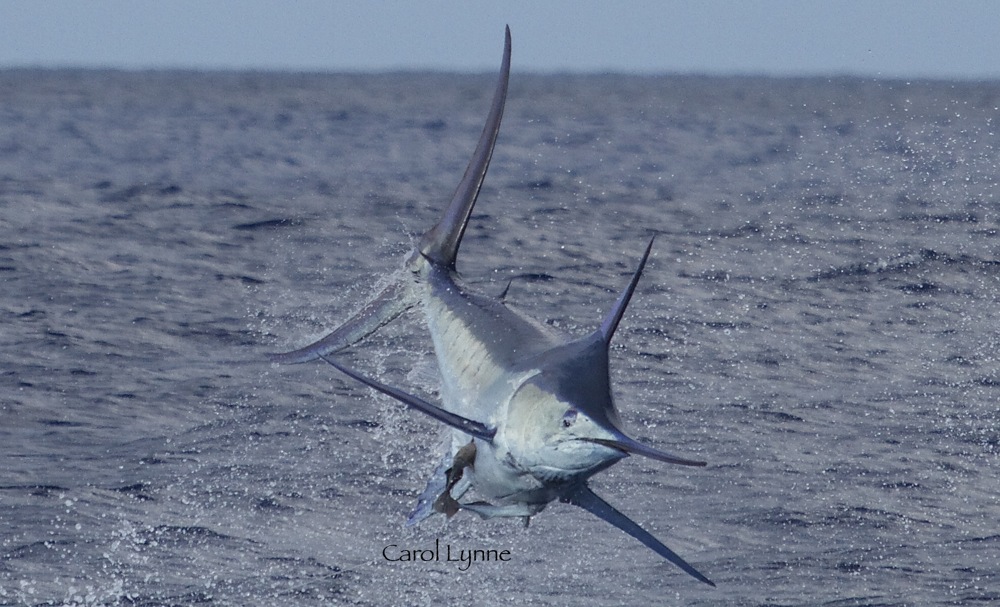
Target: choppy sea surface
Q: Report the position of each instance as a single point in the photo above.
(819, 321)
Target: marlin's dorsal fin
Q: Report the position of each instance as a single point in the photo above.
(503, 295)
(470, 427)
(585, 498)
(610, 323)
(440, 243)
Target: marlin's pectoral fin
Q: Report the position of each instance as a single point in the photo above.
(470, 427)
(387, 305)
(592, 503)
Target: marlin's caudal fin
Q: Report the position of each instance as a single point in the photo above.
(387, 305)
(592, 503)
(440, 243)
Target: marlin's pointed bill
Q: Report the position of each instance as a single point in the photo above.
(634, 447)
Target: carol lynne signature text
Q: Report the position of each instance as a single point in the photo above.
(465, 557)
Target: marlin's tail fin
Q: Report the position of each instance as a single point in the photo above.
(387, 305)
(440, 243)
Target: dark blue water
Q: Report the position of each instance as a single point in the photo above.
(818, 321)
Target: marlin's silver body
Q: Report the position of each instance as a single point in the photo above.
(530, 409)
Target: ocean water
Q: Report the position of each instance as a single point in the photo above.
(818, 321)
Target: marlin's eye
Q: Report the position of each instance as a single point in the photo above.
(568, 418)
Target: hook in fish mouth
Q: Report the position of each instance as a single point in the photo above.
(630, 446)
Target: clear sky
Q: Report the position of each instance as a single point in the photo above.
(888, 38)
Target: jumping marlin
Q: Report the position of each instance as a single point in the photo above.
(531, 410)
